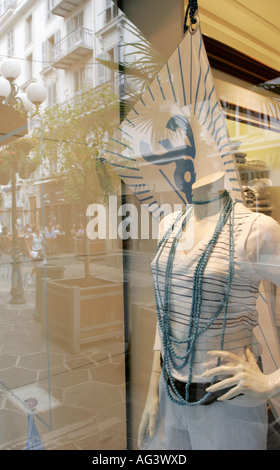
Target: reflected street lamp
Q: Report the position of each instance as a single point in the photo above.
(9, 93)
(36, 93)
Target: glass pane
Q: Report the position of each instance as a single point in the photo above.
(62, 362)
(252, 114)
(252, 121)
(79, 216)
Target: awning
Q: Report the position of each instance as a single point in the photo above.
(12, 124)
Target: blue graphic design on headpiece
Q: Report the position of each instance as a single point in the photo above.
(176, 155)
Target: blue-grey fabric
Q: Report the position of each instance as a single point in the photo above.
(219, 426)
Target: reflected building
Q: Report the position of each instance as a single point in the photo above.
(57, 42)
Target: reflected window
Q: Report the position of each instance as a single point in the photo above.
(28, 30)
(10, 41)
(111, 11)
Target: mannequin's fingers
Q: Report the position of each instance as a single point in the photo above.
(220, 370)
(224, 384)
(250, 356)
(224, 354)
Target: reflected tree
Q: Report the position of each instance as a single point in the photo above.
(17, 158)
(74, 134)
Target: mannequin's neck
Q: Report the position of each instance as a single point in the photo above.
(208, 201)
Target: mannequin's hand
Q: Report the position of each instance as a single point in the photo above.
(245, 376)
(148, 421)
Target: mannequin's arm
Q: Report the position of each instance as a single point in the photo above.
(244, 377)
(148, 421)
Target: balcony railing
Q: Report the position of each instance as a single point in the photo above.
(6, 5)
(71, 48)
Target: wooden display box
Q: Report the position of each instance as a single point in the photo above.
(94, 247)
(75, 313)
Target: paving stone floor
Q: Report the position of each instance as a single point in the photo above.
(80, 397)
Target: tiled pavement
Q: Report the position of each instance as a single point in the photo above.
(80, 397)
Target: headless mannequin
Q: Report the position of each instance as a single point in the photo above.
(244, 375)
(205, 216)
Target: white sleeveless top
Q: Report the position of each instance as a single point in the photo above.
(36, 242)
(256, 236)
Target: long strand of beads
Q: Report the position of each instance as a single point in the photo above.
(226, 299)
(163, 306)
(197, 295)
(161, 246)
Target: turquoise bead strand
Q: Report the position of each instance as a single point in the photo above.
(163, 304)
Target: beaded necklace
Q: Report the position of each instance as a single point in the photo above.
(163, 304)
(221, 196)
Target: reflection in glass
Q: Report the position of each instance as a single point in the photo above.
(62, 352)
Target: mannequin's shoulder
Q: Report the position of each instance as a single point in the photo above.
(264, 221)
(241, 211)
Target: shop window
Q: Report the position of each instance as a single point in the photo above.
(111, 11)
(82, 78)
(10, 40)
(47, 51)
(28, 30)
(52, 94)
(29, 68)
(105, 74)
(100, 70)
(74, 23)
(251, 105)
(50, 5)
(252, 112)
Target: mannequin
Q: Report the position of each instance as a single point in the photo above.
(236, 375)
(205, 216)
